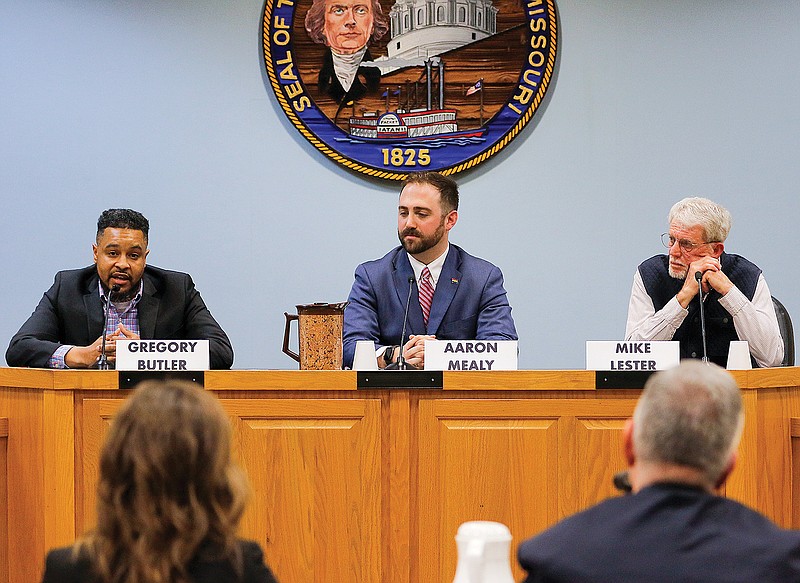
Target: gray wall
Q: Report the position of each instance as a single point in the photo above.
(161, 106)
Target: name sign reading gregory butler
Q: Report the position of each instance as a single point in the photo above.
(471, 354)
(162, 355)
(616, 355)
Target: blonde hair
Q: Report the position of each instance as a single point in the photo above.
(168, 490)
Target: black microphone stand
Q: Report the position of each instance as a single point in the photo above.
(699, 277)
(401, 362)
(102, 363)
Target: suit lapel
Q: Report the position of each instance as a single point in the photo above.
(446, 289)
(95, 313)
(148, 309)
(402, 271)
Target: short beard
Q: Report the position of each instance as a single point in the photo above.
(422, 244)
(675, 274)
(117, 297)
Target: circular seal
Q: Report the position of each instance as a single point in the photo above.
(387, 87)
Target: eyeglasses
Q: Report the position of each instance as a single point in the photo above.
(668, 241)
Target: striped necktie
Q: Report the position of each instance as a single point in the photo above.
(425, 294)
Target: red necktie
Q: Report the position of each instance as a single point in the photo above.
(425, 294)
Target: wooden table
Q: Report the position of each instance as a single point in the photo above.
(371, 485)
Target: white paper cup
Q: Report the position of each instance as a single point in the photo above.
(739, 356)
(364, 358)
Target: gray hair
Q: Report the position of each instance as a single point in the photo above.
(690, 415)
(694, 211)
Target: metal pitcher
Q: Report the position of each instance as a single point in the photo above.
(319, 327)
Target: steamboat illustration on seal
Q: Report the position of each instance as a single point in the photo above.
(425, 85)
(433, 121)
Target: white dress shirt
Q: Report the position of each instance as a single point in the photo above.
(754, 321)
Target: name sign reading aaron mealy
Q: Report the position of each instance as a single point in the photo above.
(471, 354)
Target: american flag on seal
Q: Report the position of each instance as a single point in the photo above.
(475, 88)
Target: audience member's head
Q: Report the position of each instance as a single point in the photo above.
(168, 490)
(686, 426)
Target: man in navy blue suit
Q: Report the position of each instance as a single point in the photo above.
(680, 445)
(466, 298)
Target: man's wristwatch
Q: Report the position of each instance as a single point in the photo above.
(388, 355)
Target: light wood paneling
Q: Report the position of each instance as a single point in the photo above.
(366, 486)
(525, 463)
(315, 469)
(3, 500)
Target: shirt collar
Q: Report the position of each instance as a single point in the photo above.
(133, 302)
(435, 266)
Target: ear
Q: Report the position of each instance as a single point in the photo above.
(627, 442)
(94, 252)
(717, 249)
(727, 471)
(451, 220)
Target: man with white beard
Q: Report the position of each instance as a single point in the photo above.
(738, 304)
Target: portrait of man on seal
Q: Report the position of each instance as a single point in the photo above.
(346, 28)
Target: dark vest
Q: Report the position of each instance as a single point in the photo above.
(661, 288)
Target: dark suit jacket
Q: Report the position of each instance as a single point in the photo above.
(367, 79)
(666, 533)
(60, 567)
(71, 312)
(469, 302)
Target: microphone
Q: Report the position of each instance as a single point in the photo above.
(401, 363)
(102, 363)
(698, 275)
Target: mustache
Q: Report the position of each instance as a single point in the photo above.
(407, 232)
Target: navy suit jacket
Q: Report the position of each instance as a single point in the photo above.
(71, 312)
(666, 533)
(469, 302)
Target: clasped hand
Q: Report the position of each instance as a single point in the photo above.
(414, 350)
(713, 278)
(87, 356)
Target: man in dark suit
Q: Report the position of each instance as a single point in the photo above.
(66, 329)
(680, 446)
(456, 296)
(346, 27)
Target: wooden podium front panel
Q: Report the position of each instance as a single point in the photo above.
(314, 466)
(524, 463)
(96, 415)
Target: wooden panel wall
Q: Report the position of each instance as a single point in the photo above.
(371, 486)
(3, 500)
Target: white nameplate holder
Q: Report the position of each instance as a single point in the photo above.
(162, 355)
(471, 355)
(613, 355)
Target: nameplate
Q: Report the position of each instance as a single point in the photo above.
(162, 355)
(471, 355)
(632, 356)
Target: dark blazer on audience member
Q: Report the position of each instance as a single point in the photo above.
(71, 312)
(469, 303)
(667, 533)
(60, 567)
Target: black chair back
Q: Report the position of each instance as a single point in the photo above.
(787, 332)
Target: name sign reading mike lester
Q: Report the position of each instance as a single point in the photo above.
(615, 355)
(162, 355)
(471, 354)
